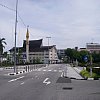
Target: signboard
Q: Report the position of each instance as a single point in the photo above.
(24, 56)
(85, 58)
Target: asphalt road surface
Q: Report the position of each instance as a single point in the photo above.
(48, 83)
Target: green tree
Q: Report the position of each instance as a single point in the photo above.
(71, 54)
(96, 57)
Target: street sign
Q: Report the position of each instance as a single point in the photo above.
(85, 58)
(24, 56)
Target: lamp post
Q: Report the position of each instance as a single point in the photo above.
(48, 49)
(15, 37)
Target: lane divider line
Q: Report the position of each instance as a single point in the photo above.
(55, 70)
(16, 79)
(62, 74)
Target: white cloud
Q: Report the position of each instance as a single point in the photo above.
(70, 23)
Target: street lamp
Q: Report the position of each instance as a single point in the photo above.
(48, 49)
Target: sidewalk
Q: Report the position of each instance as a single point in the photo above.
(71, 72)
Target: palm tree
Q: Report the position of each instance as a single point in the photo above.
(2, 43)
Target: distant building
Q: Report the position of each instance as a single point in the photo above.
(61, 53)
(82, 49)
(37, 51)
(93, 47)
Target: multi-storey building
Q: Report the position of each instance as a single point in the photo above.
(37, 52)
(61, 53)
(93, 47)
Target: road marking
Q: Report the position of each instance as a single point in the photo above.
(49, 70)
(16, 79)
(44, 70)
(36, 76)
(55, 70)
(60, 70)
(62, 74)
(46, 81)
(39, 69)
(22, 83)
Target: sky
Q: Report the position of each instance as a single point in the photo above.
(69, 23)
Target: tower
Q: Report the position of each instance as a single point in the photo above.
(27, 46)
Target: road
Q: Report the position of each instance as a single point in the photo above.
(48, 84)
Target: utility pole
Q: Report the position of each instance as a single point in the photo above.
(15, 37)
(48, 49)
(27, 46)
(91, 65)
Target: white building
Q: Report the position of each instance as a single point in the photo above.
(37, 52)
(93, 47)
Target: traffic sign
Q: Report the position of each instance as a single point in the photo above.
(85, 58)
(24, 56)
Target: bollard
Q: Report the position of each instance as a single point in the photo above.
(26, 68)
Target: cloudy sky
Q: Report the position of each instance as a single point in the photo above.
(69, 23)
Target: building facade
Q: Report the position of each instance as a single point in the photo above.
(37, 53)
(61, 53)
(93, 47)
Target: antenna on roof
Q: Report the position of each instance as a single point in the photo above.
(92, 40)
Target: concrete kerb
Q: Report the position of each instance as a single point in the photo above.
(28, 68)
(85, 78)
(8, 67)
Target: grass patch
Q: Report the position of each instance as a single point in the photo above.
(86, 74)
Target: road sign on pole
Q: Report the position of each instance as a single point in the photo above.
(85, 58)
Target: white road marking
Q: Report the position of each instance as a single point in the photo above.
(49, 70)
(44, 70)
(46, 82)
(55, 70)
(36, 76)
(39, 69)
(62, 74)
(16, 79)
(60, 70)
(22, 83)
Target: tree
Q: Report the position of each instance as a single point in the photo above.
(2, 43)
(71, 54)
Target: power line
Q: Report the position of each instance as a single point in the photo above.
(14, 11)
(7, 7)
(21, 20)
(18, 16)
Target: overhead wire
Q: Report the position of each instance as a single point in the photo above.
(14, 11)
(18, 16)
